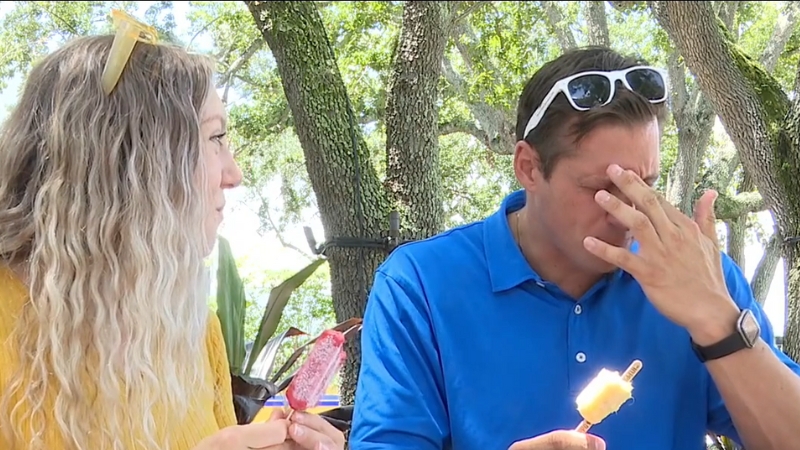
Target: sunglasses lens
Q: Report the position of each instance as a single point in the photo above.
(589, 90)
(648, 83)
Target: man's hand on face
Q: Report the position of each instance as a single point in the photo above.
(561, 440)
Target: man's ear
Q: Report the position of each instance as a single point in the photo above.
(527, 165)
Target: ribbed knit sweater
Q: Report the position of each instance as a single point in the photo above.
(211, 408)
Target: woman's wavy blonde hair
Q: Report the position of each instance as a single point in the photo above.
(101, 207)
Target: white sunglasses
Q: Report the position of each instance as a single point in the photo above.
(586, 90)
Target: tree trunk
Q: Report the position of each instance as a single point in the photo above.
(596, 23)
(694, 120)
(351, 200)
(790, 231)
(765, 270)
(558, 25)
(737, 231)
(412, 116)
(766, 142)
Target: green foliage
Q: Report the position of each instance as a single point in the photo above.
(278, 298)
(231, 306)
(476, 179)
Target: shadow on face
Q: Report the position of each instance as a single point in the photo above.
(563, 206)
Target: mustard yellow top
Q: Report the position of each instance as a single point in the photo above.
(211, 408)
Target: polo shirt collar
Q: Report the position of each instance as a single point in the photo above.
(508, 267)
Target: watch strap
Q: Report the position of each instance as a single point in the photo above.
(733, 343)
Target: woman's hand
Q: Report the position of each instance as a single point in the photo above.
(270, 435)
(310, 432)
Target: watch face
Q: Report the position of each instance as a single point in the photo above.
(749, 327)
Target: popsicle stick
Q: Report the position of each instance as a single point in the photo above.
(583, 427)
(632, 370)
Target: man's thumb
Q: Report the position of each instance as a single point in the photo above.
(595, 442)
(704, 214)
(562, 440)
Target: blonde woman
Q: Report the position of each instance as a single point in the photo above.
(109, 203)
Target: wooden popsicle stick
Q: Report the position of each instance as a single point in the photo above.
(632, 370)
(583, 427)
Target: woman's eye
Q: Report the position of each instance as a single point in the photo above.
(219, 137)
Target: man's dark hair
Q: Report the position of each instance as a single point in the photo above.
(562, 126)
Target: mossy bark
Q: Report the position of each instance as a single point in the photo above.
(759, 118)
(352, 200)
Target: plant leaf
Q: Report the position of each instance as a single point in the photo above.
(231, 304)
(265, 361)
(278, 298)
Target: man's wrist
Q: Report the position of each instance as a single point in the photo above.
(715, 327)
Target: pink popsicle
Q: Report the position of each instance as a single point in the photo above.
(317, 372)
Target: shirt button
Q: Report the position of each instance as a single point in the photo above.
(578, 309)
(580, 357)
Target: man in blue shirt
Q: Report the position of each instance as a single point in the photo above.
(481, 338)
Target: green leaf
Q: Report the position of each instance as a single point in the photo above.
(265, 361)
(231, 305)
(278, 298)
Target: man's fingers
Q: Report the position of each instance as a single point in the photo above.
(561, 440)
(704, 215)
(324, 431)
(645, 198)
(620, 257)
(309, 439)
(636, 221)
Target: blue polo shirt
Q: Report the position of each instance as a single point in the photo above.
(465, 347)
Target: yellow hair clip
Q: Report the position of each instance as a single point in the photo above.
(129, 32)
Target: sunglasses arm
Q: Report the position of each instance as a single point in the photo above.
(539, 113)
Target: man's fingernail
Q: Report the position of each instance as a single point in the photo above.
(298, 429)
(615, 169)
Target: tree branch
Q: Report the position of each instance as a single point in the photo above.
(719, 68)
(499, 146)
(727, 13)
(463, 10)
(765, 270)
(677, 78)
(730, 208)
(201, 30)
(559, 26)
(596, 23)
(266, 216)
(491, 125)
(237, 65)
(784, 27)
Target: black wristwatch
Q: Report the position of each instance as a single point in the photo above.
(745, 336)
